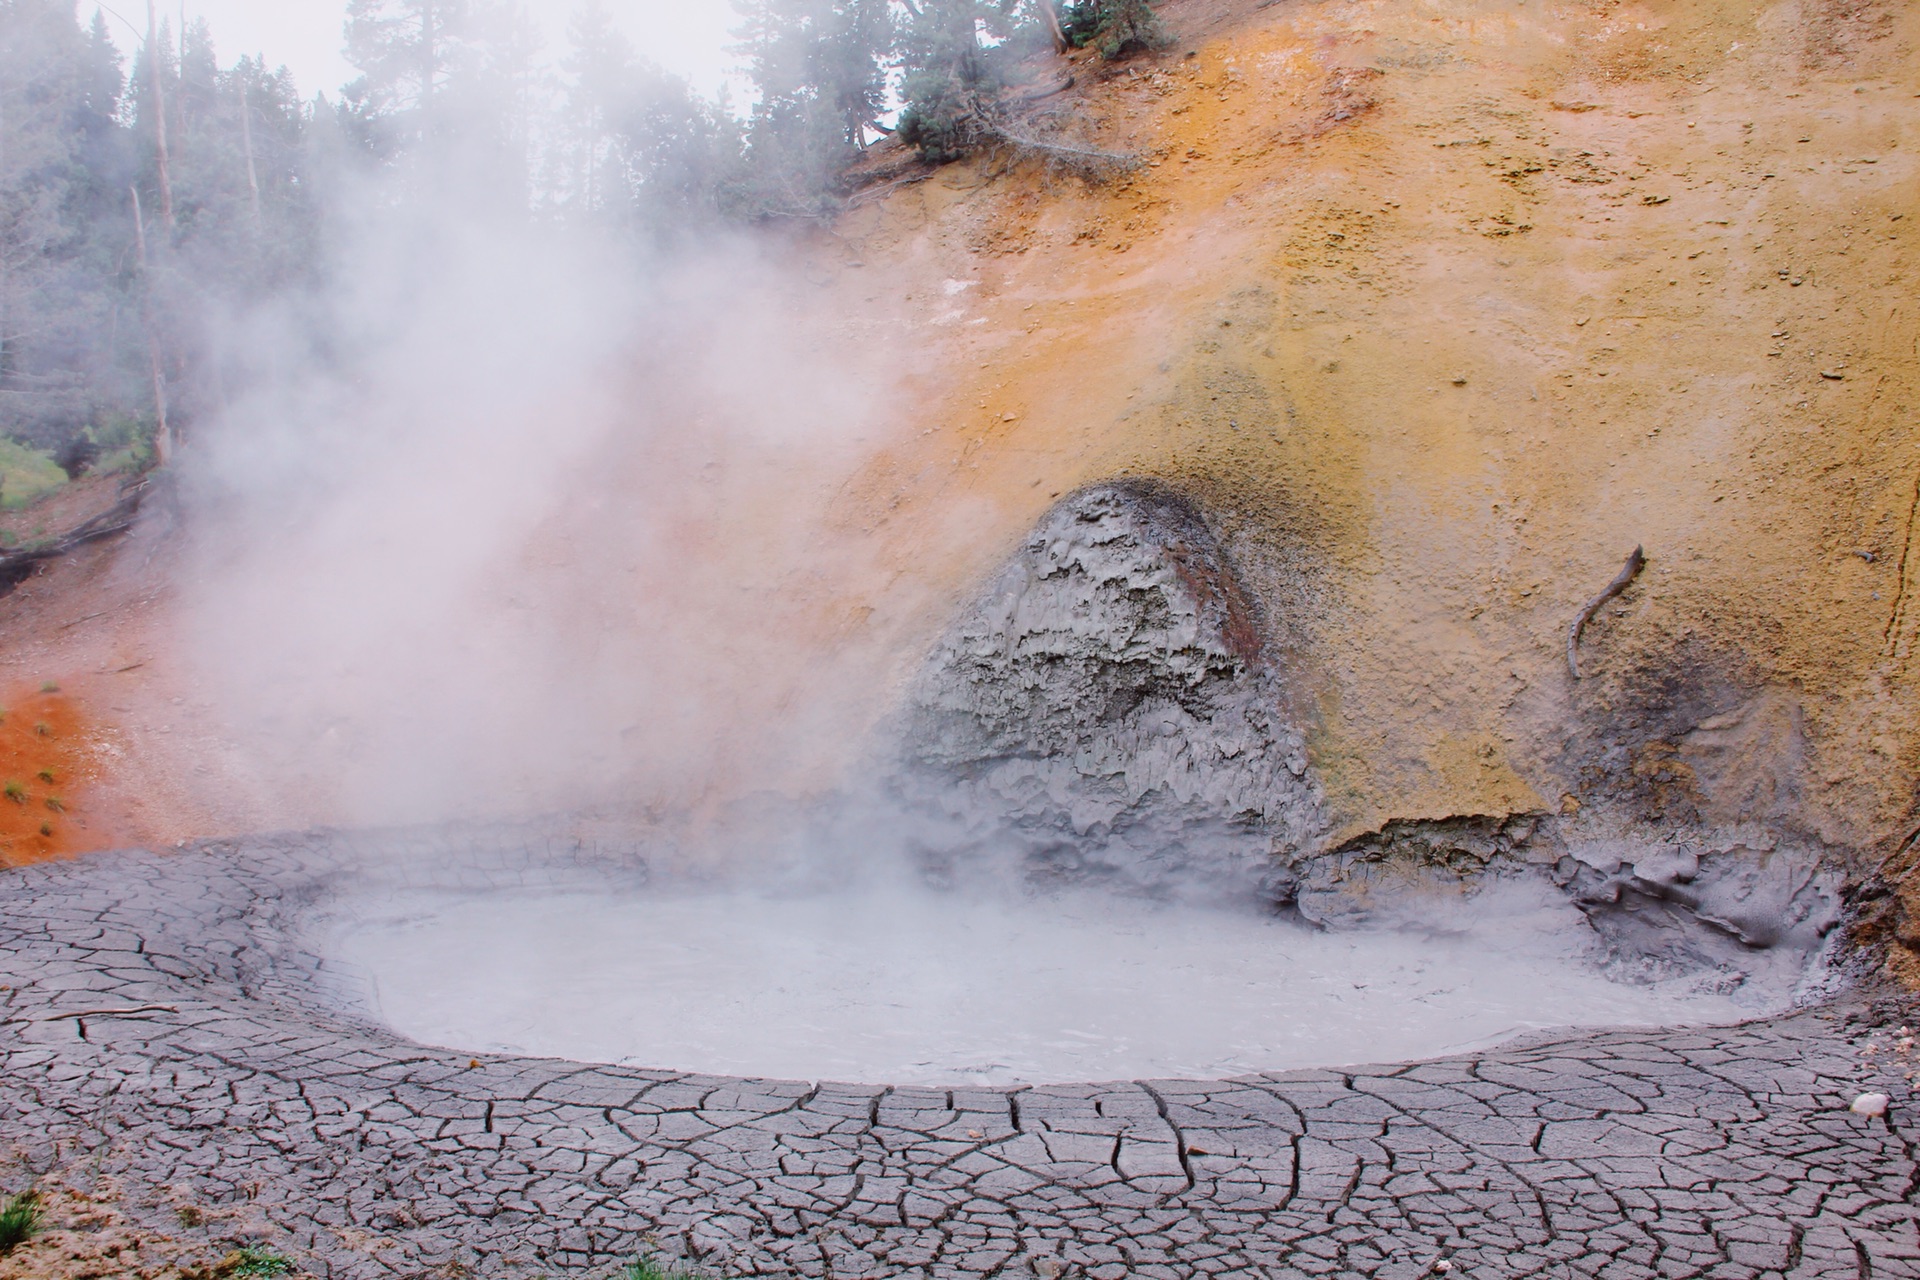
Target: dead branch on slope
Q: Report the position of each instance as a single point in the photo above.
(1628, 572)
(1090, 164)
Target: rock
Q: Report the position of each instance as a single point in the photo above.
(1871, 1105)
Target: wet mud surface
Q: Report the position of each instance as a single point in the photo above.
(231, 1077)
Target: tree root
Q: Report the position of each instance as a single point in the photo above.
(112, 1013)
(1628, 572)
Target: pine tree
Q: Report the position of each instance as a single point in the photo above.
(949, 75)
(450, 88)
(1113, 28)
(406, 51)
(818, 69)
(641, 148)
(599, 69)
(61, 164)
(678, 153)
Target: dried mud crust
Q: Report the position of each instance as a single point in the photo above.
(243, 1080)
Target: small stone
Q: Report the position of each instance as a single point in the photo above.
(1870, 1105)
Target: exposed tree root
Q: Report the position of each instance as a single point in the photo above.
(1628, 572)
(128, 1011)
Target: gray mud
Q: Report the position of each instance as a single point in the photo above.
(1108, 712)
(237, 1083)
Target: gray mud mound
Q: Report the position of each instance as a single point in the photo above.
(1105, 711)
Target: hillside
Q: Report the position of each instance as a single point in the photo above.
(1436, 311)
(1441, 310)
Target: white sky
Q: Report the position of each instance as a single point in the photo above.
(688, 37)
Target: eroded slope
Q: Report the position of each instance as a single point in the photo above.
(1439, 310)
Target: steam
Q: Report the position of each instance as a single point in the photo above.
(516, 519)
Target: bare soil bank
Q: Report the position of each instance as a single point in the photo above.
(1441, 310)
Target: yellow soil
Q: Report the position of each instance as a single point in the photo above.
(1445, 307)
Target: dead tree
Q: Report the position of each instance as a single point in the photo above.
(159, 118)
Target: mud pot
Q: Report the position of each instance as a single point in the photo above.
(177, 1027)
(1080, 981)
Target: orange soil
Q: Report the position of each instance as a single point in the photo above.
(50, 760)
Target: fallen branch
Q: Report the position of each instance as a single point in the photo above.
(1628, 572)
(867, 195)
(1045, 91)
(1090, 163)
(112, 1013)
(15, 565)
(1910, 845)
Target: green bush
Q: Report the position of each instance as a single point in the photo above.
(940, 120)
(124, 444)
(19, 1219)
(1113, 28)
(254, 1260)
(649, 1267)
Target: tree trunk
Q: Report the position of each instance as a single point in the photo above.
(159, 118)
(246, 138)
(162, 432)
(1050, 10)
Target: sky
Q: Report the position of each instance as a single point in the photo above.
(688, 37)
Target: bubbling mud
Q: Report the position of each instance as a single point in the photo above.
(908, 985)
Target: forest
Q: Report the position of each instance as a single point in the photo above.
(148, 197)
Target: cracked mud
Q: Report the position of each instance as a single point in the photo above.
(232, 1077)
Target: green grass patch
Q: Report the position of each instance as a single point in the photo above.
(650, 1267)
(254, 1260)
(26, 475)
(19, 1219)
